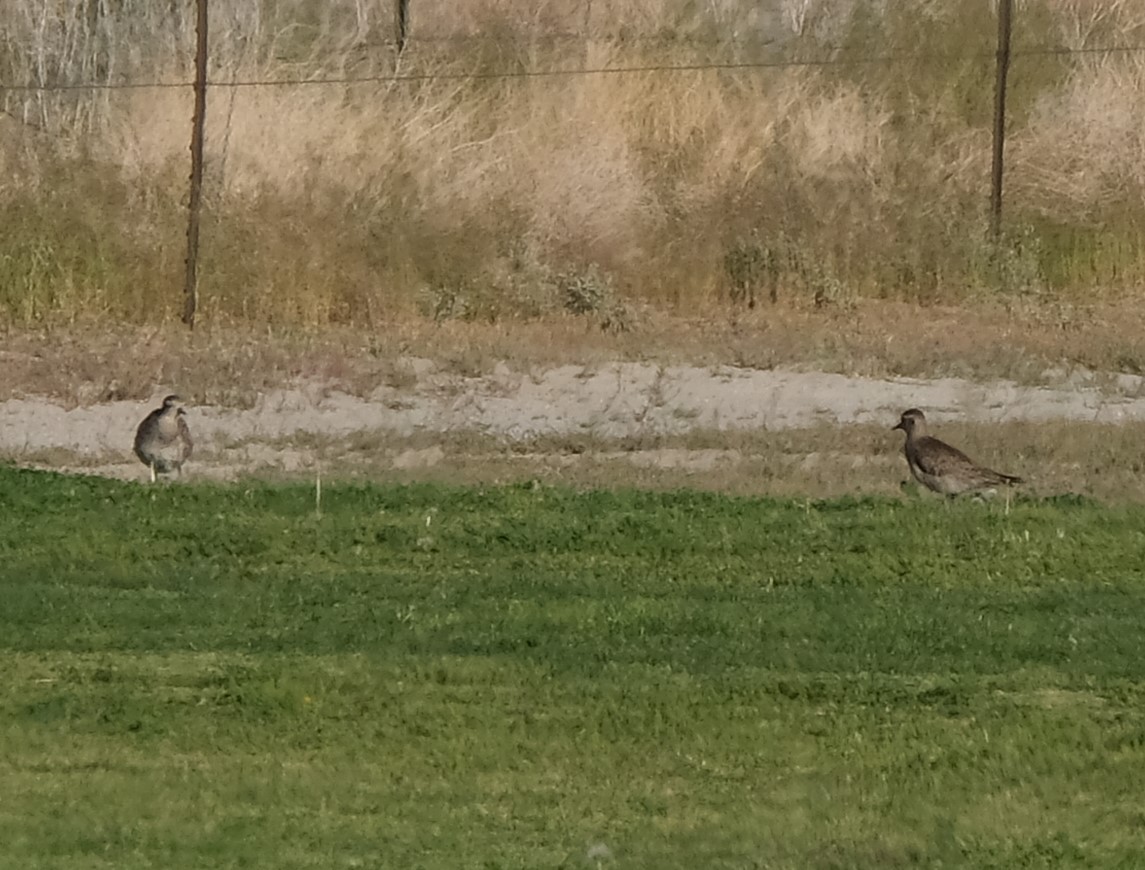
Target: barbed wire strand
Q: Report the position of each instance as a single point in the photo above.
(729, 66)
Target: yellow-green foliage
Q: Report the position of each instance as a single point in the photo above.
(349, 202)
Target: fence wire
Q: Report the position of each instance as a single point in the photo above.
(635, 69)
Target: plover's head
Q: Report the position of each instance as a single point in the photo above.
(173, 402)
(911, 421)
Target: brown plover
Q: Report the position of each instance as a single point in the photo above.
(942, 468)
(163, 440)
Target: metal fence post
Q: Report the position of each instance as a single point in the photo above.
(191, 276)
(1005, 9)
(401, 24)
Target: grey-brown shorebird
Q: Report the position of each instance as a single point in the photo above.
(942, 468)
(163, 440)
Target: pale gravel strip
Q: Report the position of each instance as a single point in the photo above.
(617, 400)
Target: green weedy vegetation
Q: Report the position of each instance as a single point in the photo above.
(520, 677)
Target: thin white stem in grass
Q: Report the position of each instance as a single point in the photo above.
(318, 489)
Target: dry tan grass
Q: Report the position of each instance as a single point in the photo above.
(1056, 459)
(231, 365)
(1084, 146)
(347, 203)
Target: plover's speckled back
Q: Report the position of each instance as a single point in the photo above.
(163, 440)
(942, 468)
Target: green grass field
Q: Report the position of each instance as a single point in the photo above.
(525, 677)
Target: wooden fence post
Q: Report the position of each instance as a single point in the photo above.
(195, 206)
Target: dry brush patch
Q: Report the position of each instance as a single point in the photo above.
(362, 203)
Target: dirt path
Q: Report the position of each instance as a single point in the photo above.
(609, 401)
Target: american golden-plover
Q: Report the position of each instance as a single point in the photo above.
(163, 440)
(942, 468)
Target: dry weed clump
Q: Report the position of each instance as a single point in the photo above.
(1084, 144)
(460, 188)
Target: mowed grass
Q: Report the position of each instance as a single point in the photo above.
(525, 677)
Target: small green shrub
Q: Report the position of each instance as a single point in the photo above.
(590, 293)
(751, 266)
